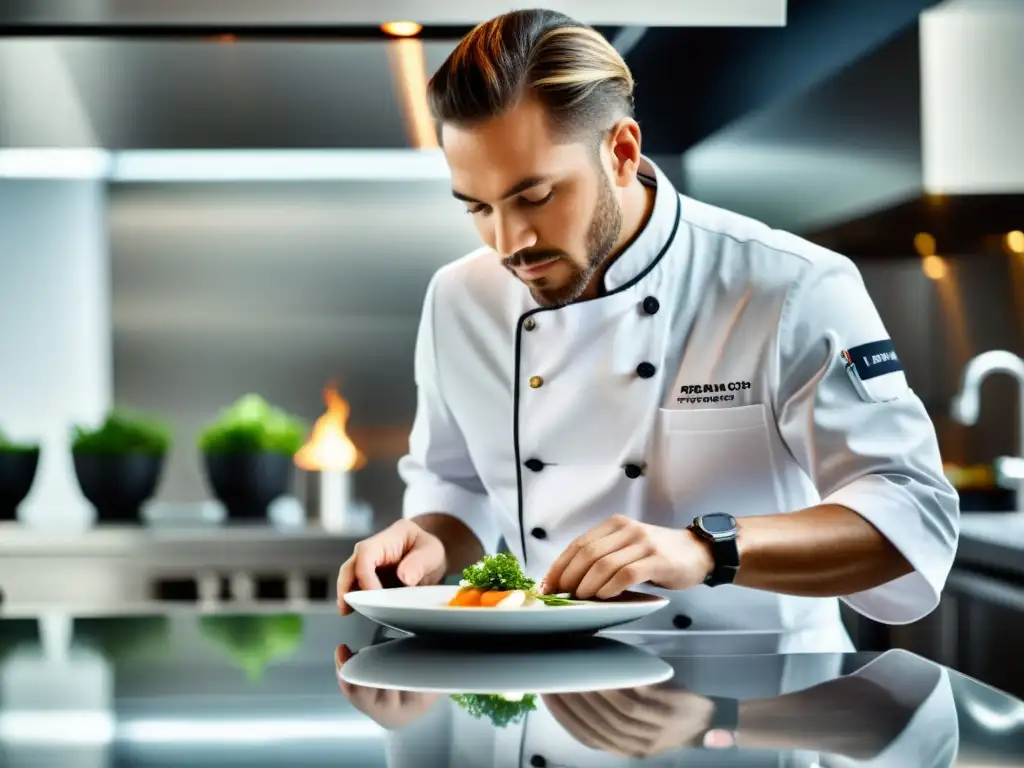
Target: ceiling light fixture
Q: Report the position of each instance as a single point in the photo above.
(401, 28)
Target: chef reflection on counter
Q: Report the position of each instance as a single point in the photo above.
(609, 703)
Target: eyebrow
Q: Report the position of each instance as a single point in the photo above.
(521, 186)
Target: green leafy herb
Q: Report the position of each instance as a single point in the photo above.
(499, 571)
(500, 709)
(123, 432)
(252, 425)
(7, 446)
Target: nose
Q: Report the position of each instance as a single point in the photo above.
(512, 234)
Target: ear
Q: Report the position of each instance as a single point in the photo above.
(624, 148)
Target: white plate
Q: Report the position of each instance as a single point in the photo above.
(425, 611)
(592, 664)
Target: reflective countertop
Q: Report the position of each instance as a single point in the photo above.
(185, 688)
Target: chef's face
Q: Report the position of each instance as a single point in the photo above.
(549, 209)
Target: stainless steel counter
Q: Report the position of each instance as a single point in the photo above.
(189, 688)
(992, 540)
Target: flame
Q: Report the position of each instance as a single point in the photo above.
(329, 447)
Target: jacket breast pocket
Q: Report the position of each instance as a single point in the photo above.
(717, 460)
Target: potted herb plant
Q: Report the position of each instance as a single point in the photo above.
(247, 453)
(118, 464)
(18, 464)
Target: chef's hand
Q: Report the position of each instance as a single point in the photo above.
(635, 722)
(419, 557)
(390, 709)
(622, 552)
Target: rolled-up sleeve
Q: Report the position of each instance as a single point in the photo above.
(437, 470)
(873, 450)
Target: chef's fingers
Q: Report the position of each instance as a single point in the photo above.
(627, 714)
(637, 704)
(346, 577)
(554, 574)
(581, 726)
(576, 570)
(637, 572)
(619, 732)
(422, 559)
(342, 654)
(601, 571)
(369, 554)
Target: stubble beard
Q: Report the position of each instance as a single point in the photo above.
(602, 235)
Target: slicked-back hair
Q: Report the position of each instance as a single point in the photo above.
(569, 67)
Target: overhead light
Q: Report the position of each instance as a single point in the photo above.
(225, 165)
(934, 267)
(1015, 241)
(924, 243)
(401, 28)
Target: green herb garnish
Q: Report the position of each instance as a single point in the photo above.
(502, 572)
(499, 709)
(499, 571)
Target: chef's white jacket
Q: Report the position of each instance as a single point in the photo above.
(708, 376)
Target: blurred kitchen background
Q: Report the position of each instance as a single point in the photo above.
(202, 203)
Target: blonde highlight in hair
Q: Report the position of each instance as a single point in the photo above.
(578, 76)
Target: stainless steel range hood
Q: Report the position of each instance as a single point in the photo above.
(923, 134)
(254, 13)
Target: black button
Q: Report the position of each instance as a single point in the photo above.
(538, 762)
(681, 621)
(651, 305)
(539, 533)
(632, 471)
(645, 370)
(535, 465)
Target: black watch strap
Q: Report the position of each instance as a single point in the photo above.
(727, 562)
(726, 716)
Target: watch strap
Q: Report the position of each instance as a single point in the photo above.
(726, 716)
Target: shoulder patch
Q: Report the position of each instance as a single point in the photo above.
(876, 371)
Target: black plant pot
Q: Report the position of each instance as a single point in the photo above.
(118, 485)
(17, 473)
(246, 483)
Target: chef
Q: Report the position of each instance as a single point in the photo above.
(633, 389)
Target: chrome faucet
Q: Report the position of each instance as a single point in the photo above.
(967, 405)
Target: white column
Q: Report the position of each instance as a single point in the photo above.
(55, 330)
(972, 97)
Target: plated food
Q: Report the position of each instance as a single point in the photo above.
(497, 581)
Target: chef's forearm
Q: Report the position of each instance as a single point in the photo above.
(461, 546)
(847, 716)
(822, 551)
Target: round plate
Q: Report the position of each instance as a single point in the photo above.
(425, 611)
(593, 664)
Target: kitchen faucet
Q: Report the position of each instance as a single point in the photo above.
(966, 406)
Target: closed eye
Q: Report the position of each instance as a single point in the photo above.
(536, 203)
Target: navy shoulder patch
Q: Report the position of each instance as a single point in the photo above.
(874, 359)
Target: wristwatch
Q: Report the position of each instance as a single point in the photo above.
(721, 731)
(719, 529)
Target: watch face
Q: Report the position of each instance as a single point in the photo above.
(715, 524)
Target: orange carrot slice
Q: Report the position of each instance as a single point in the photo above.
(492, 597)
(467, 596)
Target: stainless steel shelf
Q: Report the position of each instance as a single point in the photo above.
(111, 566)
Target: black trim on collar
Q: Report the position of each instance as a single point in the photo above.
(519, 336)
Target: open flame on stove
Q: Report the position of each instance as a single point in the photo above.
(329, 447)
